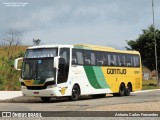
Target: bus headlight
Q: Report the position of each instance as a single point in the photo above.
(24, 87)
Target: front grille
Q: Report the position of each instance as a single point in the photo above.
(36, 87)
(40, 87)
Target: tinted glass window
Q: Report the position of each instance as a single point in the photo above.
(87, 57)
(101, 58)
(39, 53)
(121, 59)
(63, 65)
(136, 61)
(65, 53)
(93, 59)
(129, 60)
(112, 59)
(77, 57)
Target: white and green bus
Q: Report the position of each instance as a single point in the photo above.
(76, 70)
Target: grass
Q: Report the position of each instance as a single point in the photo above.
(149, 84)
(14, 50)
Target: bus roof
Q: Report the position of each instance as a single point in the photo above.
(103, 48)
(48, 46)
(87, 47)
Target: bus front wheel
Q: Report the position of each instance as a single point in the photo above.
(75, 93)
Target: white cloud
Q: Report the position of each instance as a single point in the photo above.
(100, 22)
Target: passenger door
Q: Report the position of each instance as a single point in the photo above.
(63, 65)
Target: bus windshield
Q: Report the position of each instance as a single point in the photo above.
(38, 68)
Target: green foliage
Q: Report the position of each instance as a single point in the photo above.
(9, 77)
(145, 44)
(21, 54)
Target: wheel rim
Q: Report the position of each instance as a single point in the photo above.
(129, 89)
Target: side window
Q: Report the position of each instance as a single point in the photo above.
(77, 57)
(93, 60)
(101, 58)
(136, 61)
(106, 62)
(64, 53)
(121, 60)
(87, 57)
(74, 57)
(80, 57)
(129, 61)
(112, 59)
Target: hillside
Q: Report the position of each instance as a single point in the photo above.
(9, 77)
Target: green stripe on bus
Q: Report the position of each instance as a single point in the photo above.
(100, 77)
(91, 77)
(82, 47)
(42, 81)
(37, 82)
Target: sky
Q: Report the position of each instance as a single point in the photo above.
(98, 22)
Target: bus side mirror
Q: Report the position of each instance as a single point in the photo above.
(56, 62)
(16, 63)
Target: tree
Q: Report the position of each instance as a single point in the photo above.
(145, 44)
(36, 41)
(13, 38)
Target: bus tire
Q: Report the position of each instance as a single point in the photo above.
(75, 93)
(128, 90)
(45, 99)
(122, 90)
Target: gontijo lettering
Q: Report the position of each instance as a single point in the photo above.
(116, 71)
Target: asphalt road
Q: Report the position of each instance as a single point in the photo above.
(86, 103)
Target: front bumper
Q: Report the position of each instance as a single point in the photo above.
(49, 92)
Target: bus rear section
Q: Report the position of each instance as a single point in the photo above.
(105, 70)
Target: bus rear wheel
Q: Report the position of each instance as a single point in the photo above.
(75, 93)
(128, 90)
(45, 99)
